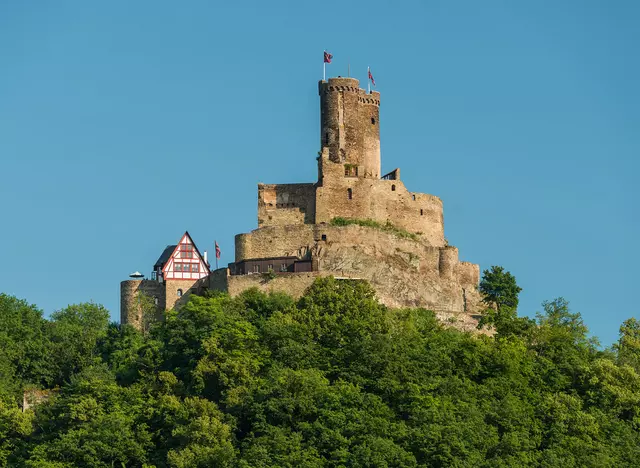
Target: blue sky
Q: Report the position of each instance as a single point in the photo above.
(123, 124)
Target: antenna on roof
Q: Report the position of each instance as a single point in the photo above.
(136, 274)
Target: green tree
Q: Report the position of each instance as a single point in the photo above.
(628, 345)
(499, 288)
(15, 426)
(120, 348)
(92, 422)
(25, 356)
(75, 332)
(191, 433)
(500, 292)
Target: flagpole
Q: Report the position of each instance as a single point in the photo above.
(368, 81)
(215, 248)
(324, 68)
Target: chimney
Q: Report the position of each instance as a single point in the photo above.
(205, 258)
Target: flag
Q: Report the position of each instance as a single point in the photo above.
(373, 82)
(217, 249)
(327, 57)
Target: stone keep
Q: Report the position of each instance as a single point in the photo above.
(298, 220)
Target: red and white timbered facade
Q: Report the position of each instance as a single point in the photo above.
(185, 262)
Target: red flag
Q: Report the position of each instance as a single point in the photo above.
(217, 249)
(373, 82)
(327, 57)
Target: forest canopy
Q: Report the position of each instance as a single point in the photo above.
(333, 379)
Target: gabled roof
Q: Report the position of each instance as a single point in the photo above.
(166, 254)
(186, 233)
(172, 249)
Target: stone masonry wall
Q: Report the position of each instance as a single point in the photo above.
(174, 299)
(295, 285)
(381, 200)
(282, 204)
(275, 241)
(404, 272)
(130, 311)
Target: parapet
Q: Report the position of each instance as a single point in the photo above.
(349, 85)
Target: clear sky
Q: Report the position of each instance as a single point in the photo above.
(123, 124)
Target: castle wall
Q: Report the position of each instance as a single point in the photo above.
(404, 272)
(468, 274)
(282, 204)
(219, 279)
(178, 291)
(381, 200)
(33, 397)
(275, 241)
(130, 310)
(294, 284)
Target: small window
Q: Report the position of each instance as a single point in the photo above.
(271, 267)
(179, 292)
(186, 250)
(421, 212)
(326, 138)
(195, 268)
(393, 188)
(414, 197)
(155, 300)
(349, 194)
(324, 237)
(350, 170)
(373, 121)
(256, 268)
(283, 267)
(177, 267)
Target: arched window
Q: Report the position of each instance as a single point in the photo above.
(393, 188)
(414, 197)
(179, 292)
(349, 193)
(373, 121)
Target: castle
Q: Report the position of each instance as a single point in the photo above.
(354, 222)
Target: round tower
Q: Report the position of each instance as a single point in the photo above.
(448, 261)
(131, 307)
(350, 126)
